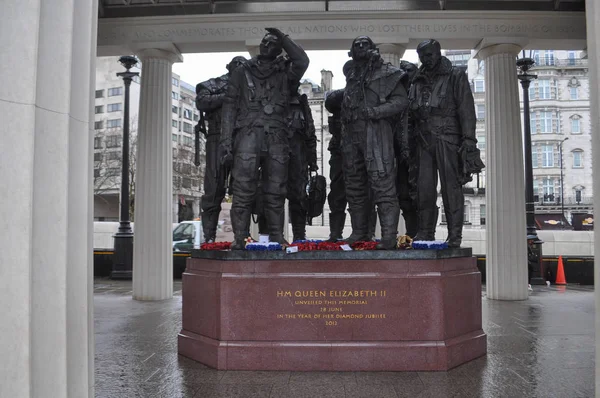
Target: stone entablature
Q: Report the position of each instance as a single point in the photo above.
(334, 30)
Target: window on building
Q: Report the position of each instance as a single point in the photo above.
(466, 219)
(578, 195)
(113, 123)
(187, 113)
(97, 142)
(187, 141)
(482, 214)
(574, 93)
(115, 91)
(533, 122)
(575, 126)
(549, 57)
(174, 123)
(480, 111)
(532, 86)
(114, 155)
(99, 109)
(113, 141)
(481, 142)
(534, 157)
(96, 173)
(544, 58)
(536, 191)
(174, 109)
(113, 107)
(98, 157)
(174, 95)
(175, 81)
(174, 137)
(544, 89)
(99, 93)
(577, 159)
(547, 155)
(186, 182)
(545, 122)
(479, 86)
(186, 168)
(99, 125)
(188, 128)
(572, 56)
(548, 189)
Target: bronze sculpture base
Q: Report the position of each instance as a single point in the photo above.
(342, 311)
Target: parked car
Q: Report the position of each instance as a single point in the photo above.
(187, 236)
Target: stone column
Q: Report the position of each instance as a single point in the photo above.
(153, 240)
(592, 13)
(45, 174)
(506, 245)
(391, 53)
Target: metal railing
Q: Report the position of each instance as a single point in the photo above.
(574, 62)
(570, 200)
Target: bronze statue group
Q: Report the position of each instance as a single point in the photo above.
(394, 130)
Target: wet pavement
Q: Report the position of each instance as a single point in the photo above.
(542, 347)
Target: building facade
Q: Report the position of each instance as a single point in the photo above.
(560, 134)
(108, 133)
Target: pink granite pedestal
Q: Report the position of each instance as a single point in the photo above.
(335, 311)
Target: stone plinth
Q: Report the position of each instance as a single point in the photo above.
(336, 311)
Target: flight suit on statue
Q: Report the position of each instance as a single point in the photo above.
(407, 173)
(443, 113)
(303, 159)
(209, 99)
(337, 188)
(374, 96)
(256, 107)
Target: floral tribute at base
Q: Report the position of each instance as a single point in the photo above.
(404, 243)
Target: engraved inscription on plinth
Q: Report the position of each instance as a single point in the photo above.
(330, 307)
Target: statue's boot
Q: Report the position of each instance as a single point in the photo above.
(360, 227)
(427, 222)
(209, 226)
(372, 222)
(411, 220)
(389, 214)
(240, 223)
(275, 220)
(263, 228)
(336, 226)
(455, 221)
(298, 220)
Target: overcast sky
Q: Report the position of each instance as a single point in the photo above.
(197, 68)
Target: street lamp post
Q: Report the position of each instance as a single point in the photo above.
(562, 196)
(123, 254)
(525, 64)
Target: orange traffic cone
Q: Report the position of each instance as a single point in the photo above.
(560, 273)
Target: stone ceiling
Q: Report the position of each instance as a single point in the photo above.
(142, 8)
